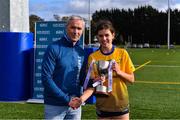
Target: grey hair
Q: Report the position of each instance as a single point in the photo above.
(75, 17)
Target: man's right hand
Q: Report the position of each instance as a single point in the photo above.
(75, 103)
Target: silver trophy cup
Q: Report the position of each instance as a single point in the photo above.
(102, 68)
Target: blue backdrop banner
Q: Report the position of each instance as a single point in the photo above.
(45, 33)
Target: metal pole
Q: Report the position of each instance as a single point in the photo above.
(168, 35)
(89, 22)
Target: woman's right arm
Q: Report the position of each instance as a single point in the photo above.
(86, 94)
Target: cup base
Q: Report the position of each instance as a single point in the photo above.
(101, 90)
(101, 94)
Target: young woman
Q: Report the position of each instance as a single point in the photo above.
(116, 104)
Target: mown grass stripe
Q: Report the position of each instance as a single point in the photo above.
(170, 89)
(152, 82)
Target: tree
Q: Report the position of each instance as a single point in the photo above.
(65, 18)
(57, 17)
(32, 20)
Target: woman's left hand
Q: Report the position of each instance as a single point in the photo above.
(116, 67)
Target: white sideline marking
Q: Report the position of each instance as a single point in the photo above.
(171, 66)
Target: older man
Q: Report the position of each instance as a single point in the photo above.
(61, 68)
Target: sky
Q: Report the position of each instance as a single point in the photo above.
(47, 8)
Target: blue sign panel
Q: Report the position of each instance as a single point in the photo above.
(46, 33)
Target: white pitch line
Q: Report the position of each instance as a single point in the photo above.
(163, 66)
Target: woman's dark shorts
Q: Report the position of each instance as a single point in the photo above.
(110, 114)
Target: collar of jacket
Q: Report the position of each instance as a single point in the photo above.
(70, 41)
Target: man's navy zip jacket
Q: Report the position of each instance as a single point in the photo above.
(62, 72)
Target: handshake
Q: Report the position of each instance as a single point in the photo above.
(75, 102)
